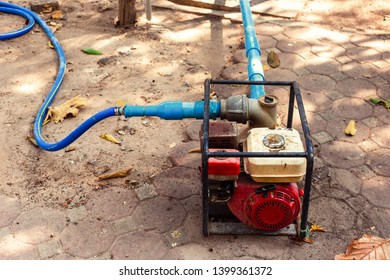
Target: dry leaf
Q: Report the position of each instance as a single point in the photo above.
(266, 67)
(176, 234)
(195, 150)
(110, 138)
(57, 15)
(317, 228)
(50, 45)
(70, 149)
(369, 247)
(32, 140)
(58, 113)
(117, 174)
(120, 103)
(351, 128)
(273, 59)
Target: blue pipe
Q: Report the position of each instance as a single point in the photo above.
(32, 18)
(253, 53)
(174, 110)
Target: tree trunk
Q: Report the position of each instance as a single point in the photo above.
(127, 13)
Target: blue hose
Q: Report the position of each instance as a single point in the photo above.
(32, 18)
(10, 9)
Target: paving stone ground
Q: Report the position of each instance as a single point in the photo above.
(338, 71)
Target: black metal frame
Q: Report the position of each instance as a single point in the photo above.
(302, 230)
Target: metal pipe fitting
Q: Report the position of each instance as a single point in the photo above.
(259, 112)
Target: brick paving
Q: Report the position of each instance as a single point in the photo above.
(338, 71)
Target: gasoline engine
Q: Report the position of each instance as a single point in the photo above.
(254, 176)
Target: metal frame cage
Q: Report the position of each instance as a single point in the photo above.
(300, 229)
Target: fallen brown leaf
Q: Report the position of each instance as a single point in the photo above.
(317, 228)
(369, 247)
(59, 113)
(32, 140)
(195, 150)
(110, 138)
(57, 15)
(117, 174)
(351, 128)
(70, 149)
(273, 59)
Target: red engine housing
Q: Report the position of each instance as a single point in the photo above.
(265, 206)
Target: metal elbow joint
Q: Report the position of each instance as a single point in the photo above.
(259, 112)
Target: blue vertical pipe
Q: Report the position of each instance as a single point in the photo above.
(253, 53)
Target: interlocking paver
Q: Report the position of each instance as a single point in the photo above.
(293, 46)
(357, 70)
(87, 238)
(331, 36)
(9, 209)
(345, 179)
(145, 192)
(300, 32)
(193, 129)
(379, 82)
(357, 88)
(322, 137)
(379, 161)
(49, 249)
(328, 50)
(382, 114)
(382, 136)
(281, 75)
(39, 225)
(337, 126)
(363, 172)
(372, 122)
(192, 251)
(363, 55)
(266, 246)
(77, 214)
(326, 207)
(139, 246)
(178, 182)
(236, 71)
(268, 28)
(316, 83)
(342, 154)
(352, 108)
(267, 42)
(112, 203)
(334, 94)
(160, 213)
(315, 101)
(368, 145)
(239, 56)
(180, 155)
(4, 232)
(323, 65)
(376, 190)
(13, 249)
(291, 61)
(124, 225)
(384, 91)
(316, 122)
